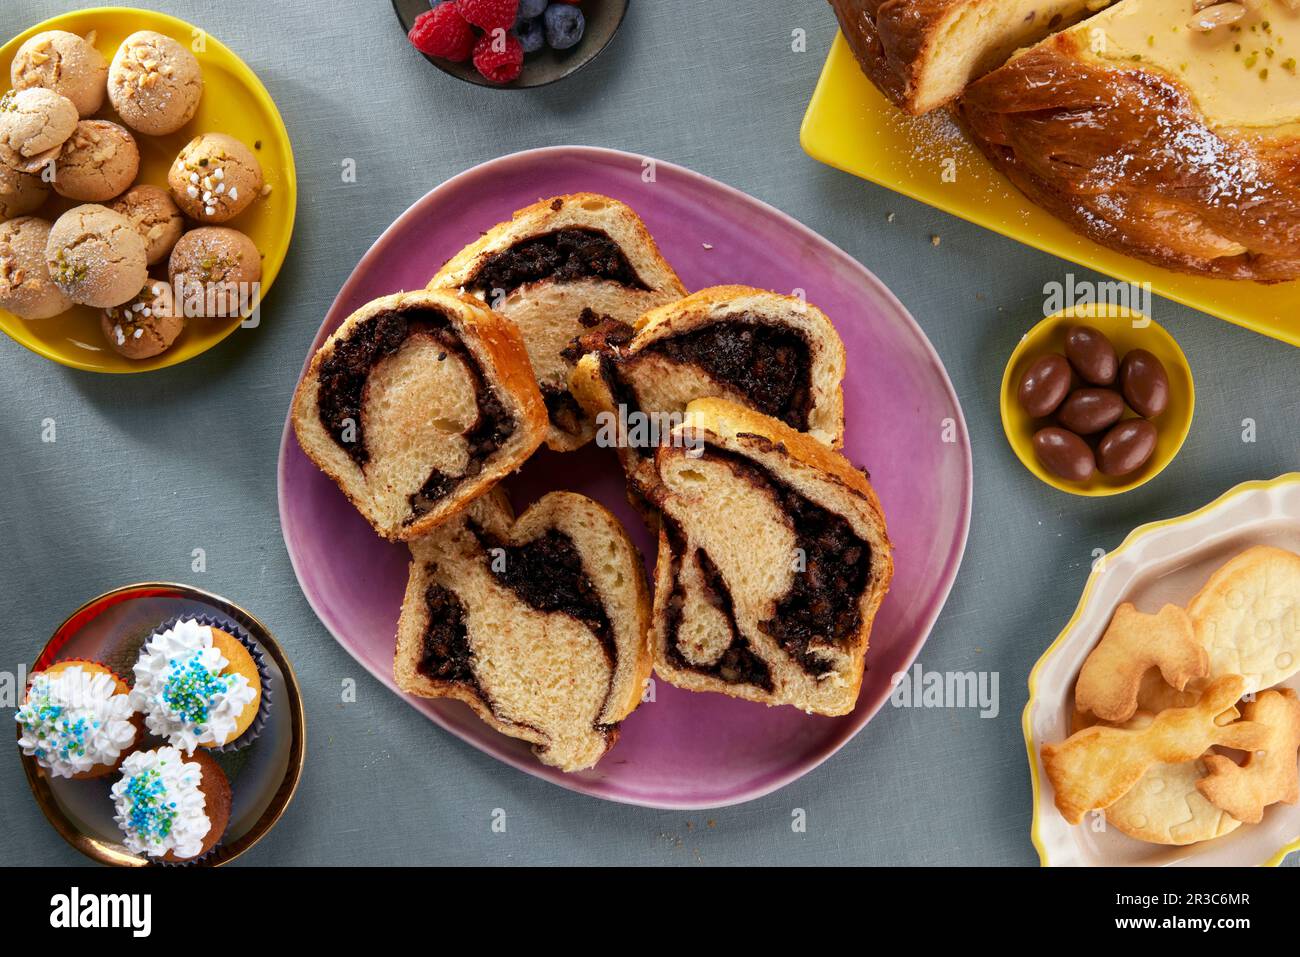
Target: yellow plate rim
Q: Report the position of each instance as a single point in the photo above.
(274, 259)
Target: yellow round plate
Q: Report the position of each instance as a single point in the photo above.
(1127, 330)
(234, 102)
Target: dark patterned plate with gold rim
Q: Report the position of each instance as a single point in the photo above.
(111, 629)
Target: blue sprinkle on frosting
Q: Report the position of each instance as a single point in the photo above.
(191, 689)
(150, 814)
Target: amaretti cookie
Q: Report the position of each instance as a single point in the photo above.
(214, 270)
(155, 216)
(145, 326)
(778, 355)
(416, 405)
(98, 161)
(540, 625)
(171, 806)
(95, 256)
(154, 83)
(773, 560)
(20, 193)
(26, 288)
(77, 720)
(215, 178)
(197, 686)
(34, 124)
(65, 63)
(556, 269)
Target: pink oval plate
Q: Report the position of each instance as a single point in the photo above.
(681, 750)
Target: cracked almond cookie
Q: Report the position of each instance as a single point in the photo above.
(154, 83)
(215, 271)
(215, 178)
(65, 63)
(34, 124)
(99, 161)
(145, 326)
(20, 193)
(26, 289)
(157, 218)
(96, 256)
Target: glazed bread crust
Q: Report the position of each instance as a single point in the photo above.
(727, 561)
(884, 48)
(1216, 202)
(541, 676)
(922, 53)
(548, 312)
(416, 435)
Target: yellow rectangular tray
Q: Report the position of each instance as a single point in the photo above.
(851, 126)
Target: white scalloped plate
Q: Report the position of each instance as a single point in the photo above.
(1162, 562)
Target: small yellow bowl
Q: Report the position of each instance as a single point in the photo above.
(234, 102)
(1127, 330)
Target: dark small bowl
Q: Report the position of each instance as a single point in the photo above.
(544, 67)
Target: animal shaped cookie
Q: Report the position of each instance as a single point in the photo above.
(1270, 774)
(1097, 766)
(1135, 643)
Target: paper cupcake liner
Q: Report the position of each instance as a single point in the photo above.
(200, 861)
(263, 672)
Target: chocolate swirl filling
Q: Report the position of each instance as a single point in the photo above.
(563, 255)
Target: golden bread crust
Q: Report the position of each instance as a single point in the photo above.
(888, 39)
(1122, 154)
(627, 605)
(753, 434)
(541, 217)
(508, 368)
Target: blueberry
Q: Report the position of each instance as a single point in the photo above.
(530, 34)
(564, 25)
(528, 9)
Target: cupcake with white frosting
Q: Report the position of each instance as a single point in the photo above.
(197, 686)
(170, 806)
(77, 720)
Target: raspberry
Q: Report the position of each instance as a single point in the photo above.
(443, 32)
(499, 65)
(489, 15)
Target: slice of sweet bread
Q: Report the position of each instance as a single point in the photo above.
(416, 405)
(555, 270)
(541, 625)
(922, 53)
(778, 355)
(773, 560)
